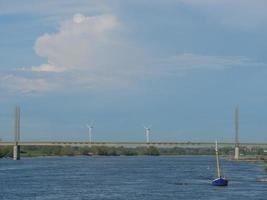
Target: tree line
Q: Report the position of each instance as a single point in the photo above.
(31, 151)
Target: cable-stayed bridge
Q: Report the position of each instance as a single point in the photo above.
(126, 144)
(159, 144)
(17, 143)
(133, 144)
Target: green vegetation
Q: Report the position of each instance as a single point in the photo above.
(118, 151)
(31, 151)
(6, 151)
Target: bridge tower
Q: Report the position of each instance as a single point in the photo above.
(237, 133)
(16, 147)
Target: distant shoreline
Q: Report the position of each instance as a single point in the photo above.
(252, 155)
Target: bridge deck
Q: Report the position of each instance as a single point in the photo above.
(129, 144)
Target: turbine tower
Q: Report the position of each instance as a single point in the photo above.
(237, 133)
(147, 133)
(90, 129)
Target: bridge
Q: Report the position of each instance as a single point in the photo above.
(120, 144)
(158, 144)
(133, 144)
(17, 143)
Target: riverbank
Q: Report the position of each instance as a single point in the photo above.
(252, 155)
(33, 151)
(250, 158)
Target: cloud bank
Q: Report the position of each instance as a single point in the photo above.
(189, 61)
(91, 52)
(78, 42)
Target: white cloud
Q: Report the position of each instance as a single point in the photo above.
(44, 68)
(85, 52)
(184, 63)
(197, 61)
(90, 52)
(17, 84)
(79, 42)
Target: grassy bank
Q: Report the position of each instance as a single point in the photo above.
(6, 151)
(31, 151)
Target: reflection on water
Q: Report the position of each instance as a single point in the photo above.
(127, 178)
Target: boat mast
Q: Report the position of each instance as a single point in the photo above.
(237, 133)
(217, 159)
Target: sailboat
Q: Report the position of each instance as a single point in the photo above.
(220, 181)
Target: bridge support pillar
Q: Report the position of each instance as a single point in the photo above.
(16, 152)
(236, 153)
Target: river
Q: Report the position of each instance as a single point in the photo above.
(128, 178)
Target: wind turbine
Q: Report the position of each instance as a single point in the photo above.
(147, 133)
(90, 129)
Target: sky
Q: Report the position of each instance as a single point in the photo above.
(179, 66)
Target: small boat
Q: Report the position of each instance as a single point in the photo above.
(220, 181)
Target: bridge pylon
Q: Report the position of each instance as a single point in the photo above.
(16, 147)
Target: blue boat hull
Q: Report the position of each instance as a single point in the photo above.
(220, 182)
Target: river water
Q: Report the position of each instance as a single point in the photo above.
(128, 178)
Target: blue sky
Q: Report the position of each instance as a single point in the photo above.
(181, 66)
